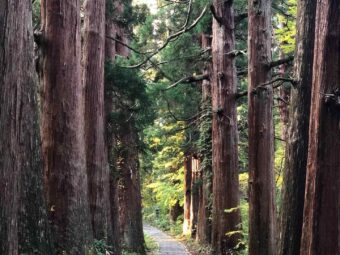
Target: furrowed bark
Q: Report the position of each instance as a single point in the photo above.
(261, 135)
(110, 54)
(205, 191)
(96, 151)
(321, 230)
(62, 131)
(23, 220)
(129, 193)
(226, 214)
(294, 178)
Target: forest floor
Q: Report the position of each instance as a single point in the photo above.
(167, 244)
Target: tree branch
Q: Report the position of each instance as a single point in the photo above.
(280, 79)
(37, 36)
(241, 16)
(170, 38)
(280, 62)
(126, 45)
(188, 79)
(216, 17)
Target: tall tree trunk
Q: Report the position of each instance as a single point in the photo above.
(195, 186)
(321, 229)
(63, 127)
(297, 139)
(23, 219)
(187, 194)
(96, 150)
(110, 54)
(114, 236)
(225, 224)
(129, 193)
(204, 213)
(261, 134)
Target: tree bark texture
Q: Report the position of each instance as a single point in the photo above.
(129, 193)
(293, 190)
(226, 214)
(114, 236)
(321, 229)
(261, 134)
(187, 194)
(62, 131)
(205, 190)
(195, 186)
(110, 54)
(96, 151)
(23, 219)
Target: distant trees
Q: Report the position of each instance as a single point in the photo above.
(187, 194)
(204, 152)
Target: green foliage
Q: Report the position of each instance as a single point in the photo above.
(36, 14)
(285, 25)
(166, 180)
(130, 98)
(152, 247)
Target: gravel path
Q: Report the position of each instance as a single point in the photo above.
(167, 244)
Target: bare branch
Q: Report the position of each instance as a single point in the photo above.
(170, 38)
(126, 45)
(280, 62)
(188, 79)
(213, 12)
(236, 53)
(280, 81)
(188, 15)
(293, 82)
(241, 16)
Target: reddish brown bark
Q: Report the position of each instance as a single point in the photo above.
(116, 30)
(195, 199)
(224, 133)
(110, 54)
(205, 190)
(23, 225)
(96, 151)
(63, 127)
(294, 178)
(187, 194)
(129, 193)
(321, 231)
(260, 121)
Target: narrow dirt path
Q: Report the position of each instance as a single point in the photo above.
(167, 244)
